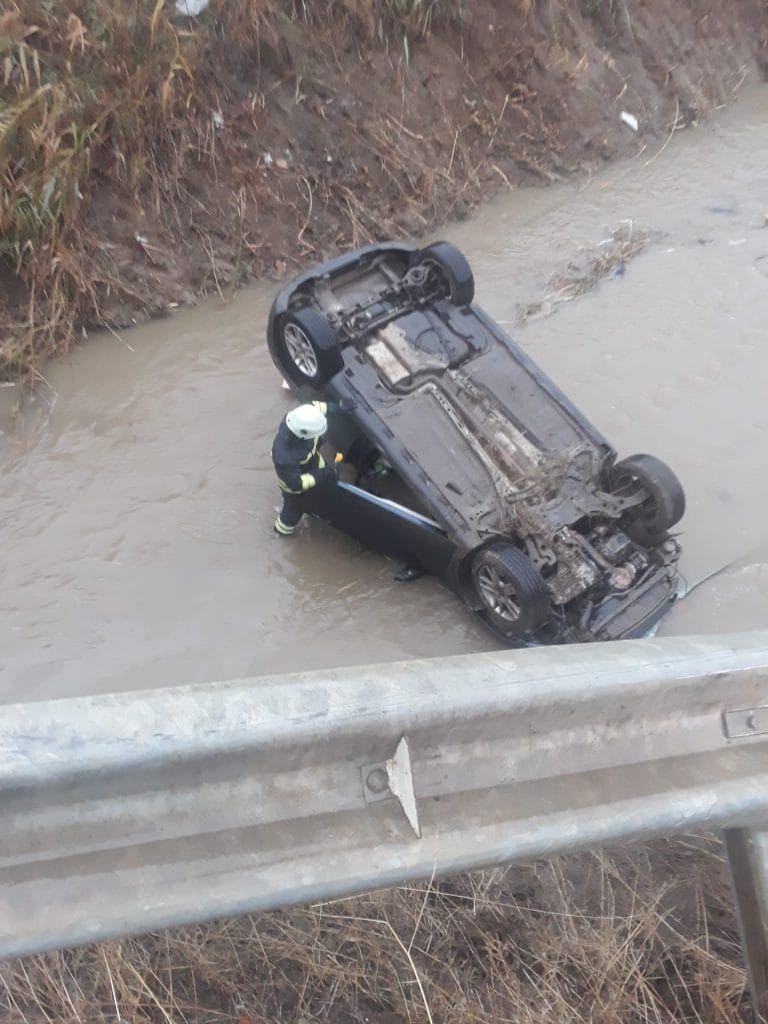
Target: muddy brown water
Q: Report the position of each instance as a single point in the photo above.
(137, 492)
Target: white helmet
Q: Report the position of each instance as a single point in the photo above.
(306, 421)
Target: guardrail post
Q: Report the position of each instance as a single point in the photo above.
(747, 853)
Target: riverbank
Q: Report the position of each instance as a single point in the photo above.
(151, 159)
(137, 551)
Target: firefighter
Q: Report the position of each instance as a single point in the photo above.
(298, 462)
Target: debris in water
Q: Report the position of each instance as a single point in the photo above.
(630, 120)
(191, 8)
(218, 119)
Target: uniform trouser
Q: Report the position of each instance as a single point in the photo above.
(290, 515)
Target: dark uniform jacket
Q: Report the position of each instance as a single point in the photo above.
(298, 463)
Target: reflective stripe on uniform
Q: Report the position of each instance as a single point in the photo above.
(312, 452)
(307, 481)
(320, 461)
(286, 488)
(282, 528)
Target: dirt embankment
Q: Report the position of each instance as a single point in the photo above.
(148, 159)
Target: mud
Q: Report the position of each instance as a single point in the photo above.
(512, 95)
(135, 541)
(306, 135)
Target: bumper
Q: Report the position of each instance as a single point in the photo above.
(329, 269)
(631, 615)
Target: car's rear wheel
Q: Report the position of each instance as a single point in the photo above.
(449, 270)
(512, 590)
(664, 506)
(307, 348)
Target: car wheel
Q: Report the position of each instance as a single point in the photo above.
(512, 590)
(665, 504)
(307, 348)
(451, 269)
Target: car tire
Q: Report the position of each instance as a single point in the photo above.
(511, 589)
(307, 348)
(452, 269)
(665, 505)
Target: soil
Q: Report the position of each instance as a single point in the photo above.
(358, 139)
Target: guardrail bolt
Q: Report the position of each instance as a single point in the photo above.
(377, 780)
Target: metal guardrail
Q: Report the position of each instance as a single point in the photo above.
(126, 813)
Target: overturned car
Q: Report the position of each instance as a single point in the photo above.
(492, 480)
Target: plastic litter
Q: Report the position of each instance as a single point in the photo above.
(191, 8)
(630, 120)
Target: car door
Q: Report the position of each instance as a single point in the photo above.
(383, 525)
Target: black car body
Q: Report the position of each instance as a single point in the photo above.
(506, 491)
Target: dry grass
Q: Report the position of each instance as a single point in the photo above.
(632, 937)
(89, 89)
(122, 91)
(118, 116)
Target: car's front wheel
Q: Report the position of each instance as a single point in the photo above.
(512, 590)
(664, 505)
(307, 348)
